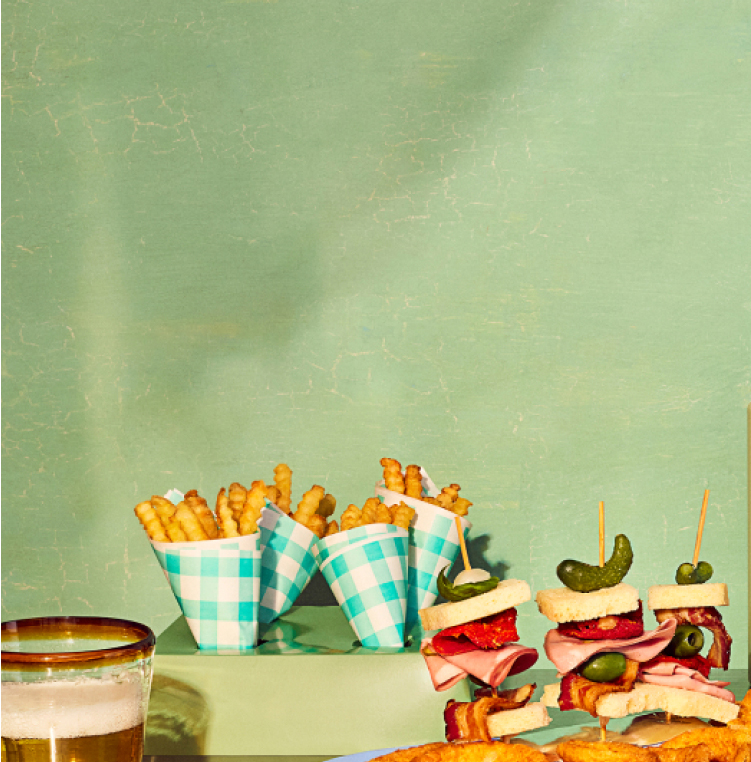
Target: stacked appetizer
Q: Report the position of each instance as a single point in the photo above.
(475, 636)
(610, 666)
(680, 674)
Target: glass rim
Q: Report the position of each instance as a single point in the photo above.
(138, 648)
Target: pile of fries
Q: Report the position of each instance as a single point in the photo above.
(409, 483)
(238, 510)
(376, 512)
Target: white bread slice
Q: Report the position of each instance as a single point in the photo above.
(649, 697)
(509, 593)
(687, 596)
(559, 604)
(513, 721)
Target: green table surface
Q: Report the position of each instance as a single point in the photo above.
(563, 723)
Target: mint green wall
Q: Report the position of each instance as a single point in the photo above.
(509, 242)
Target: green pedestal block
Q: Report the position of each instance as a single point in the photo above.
(308, 689)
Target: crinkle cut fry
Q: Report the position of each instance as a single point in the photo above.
(370, 510)
(201, 508)
(283, 482)
(255, 500)
(227, 523)
(392, 475)
(189, 523)
(351, 518)
(413, 481)
(150, 521)
(236, 499)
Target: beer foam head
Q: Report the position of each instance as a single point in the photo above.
(71, 709)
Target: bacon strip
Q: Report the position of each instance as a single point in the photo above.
(579, 693)
(467, 721)
(486, 633)
(704, 616)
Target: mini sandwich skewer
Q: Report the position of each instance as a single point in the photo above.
(695, 560)
(467, 567)
(506, 739)
(603, 720)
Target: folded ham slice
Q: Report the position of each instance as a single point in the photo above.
(568, 653)
(674, 675)
(490, 667)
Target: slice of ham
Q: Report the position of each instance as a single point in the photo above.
(568, 653)
(674, 675)
(490, 667)
(696, 662)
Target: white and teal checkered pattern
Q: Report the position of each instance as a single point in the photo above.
(433, 544)
(287, 561)
(369, 580)
(328, 545)
(218, 589)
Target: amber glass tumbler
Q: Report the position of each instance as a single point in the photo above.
(75, 688)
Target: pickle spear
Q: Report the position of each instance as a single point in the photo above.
(584, 578)
(456, 593)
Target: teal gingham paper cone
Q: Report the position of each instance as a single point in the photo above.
(433, 544)
(328, 545)
(287, 561)
(369, 581)
(217, 587)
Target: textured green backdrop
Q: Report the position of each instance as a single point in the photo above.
(507, 241)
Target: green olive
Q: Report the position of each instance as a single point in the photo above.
(687, 642)
(604, 668)
(463, 592)
(688, 575)
(584, 578)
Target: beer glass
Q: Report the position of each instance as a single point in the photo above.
(75, 688)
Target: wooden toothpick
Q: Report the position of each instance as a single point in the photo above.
(603, 726)
(462, 544)
(602, 533)
(697, 547)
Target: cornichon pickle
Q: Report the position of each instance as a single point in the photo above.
(687, 642)
(604, 668)
(584, 578)
(688, 575)
(455, 593)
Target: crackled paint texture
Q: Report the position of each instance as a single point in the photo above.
(507, 241)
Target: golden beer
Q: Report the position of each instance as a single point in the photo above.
(75, 689)
(123, 746)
